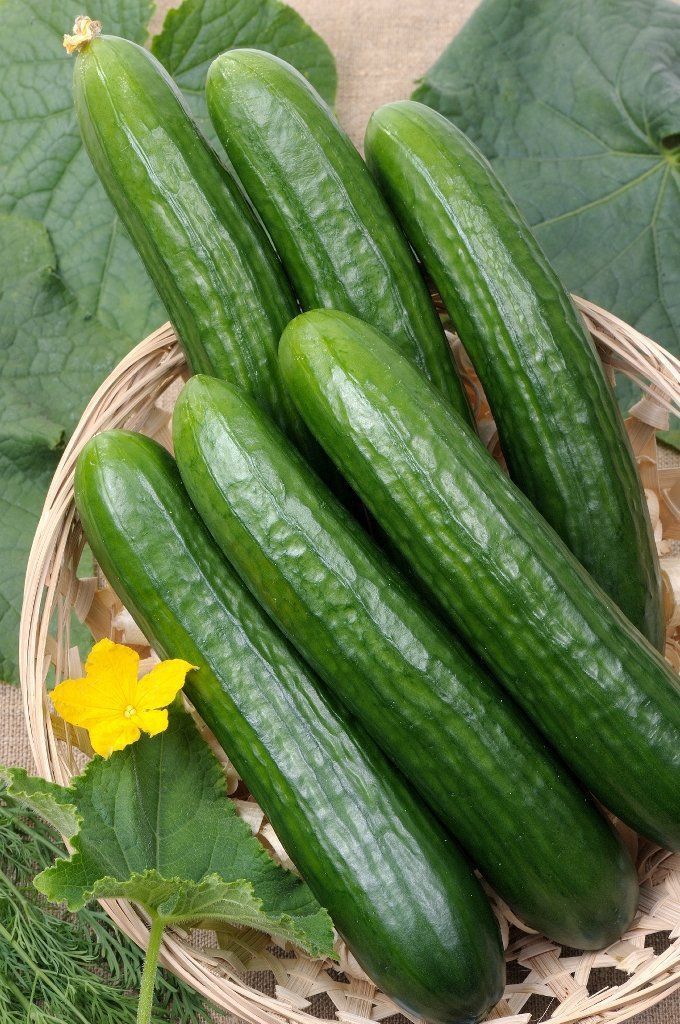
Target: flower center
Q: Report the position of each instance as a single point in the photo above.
(130, 712)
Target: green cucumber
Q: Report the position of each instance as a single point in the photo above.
(338, 240)
(468, 750)
(597, 689)
(210, 260)
(397, 888)
(559, 426)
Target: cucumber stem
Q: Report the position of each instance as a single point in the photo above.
(84, 31)
(146, 989)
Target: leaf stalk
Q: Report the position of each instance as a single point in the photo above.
(146, 989)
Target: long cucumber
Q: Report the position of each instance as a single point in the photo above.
(560, 430)
(463, 744)
(398, 890)
(210, 260)
(337, 239)
(600, 693)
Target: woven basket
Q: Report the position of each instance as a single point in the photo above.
(545, 981)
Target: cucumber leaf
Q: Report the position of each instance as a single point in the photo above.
(97, 967)
(198, 31)
(153, 824)
(26, 468)
(577, 105)
(670, 438)
(53, 355)
(44, 798)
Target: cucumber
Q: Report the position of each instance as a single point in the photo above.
(600, 693)
(331, 227)
(472, 755)
(398, 889)
(210, 260)
(560, 429)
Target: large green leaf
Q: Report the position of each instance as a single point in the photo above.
(26, 468)
(53, 355)
(46, 175)
(195, 33)
(577, 104)
(153, 824)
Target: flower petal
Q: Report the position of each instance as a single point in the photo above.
(113, 734)
(118, 666)
(161, 685)
(87, 701)
(152, 722)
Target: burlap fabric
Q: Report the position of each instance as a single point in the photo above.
(381, 48)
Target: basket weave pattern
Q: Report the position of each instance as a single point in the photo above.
(562, 985)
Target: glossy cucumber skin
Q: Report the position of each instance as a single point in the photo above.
(601, 694)
(559, 426)
(338, 241)
(473, 756)
(398, 890)
(211, 262)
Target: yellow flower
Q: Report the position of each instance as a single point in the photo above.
(112, 703)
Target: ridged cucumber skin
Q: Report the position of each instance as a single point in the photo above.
(463, 744)
(559, 426)
(210, 260)
(399, 891)
(340, 245)
(601, 694)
